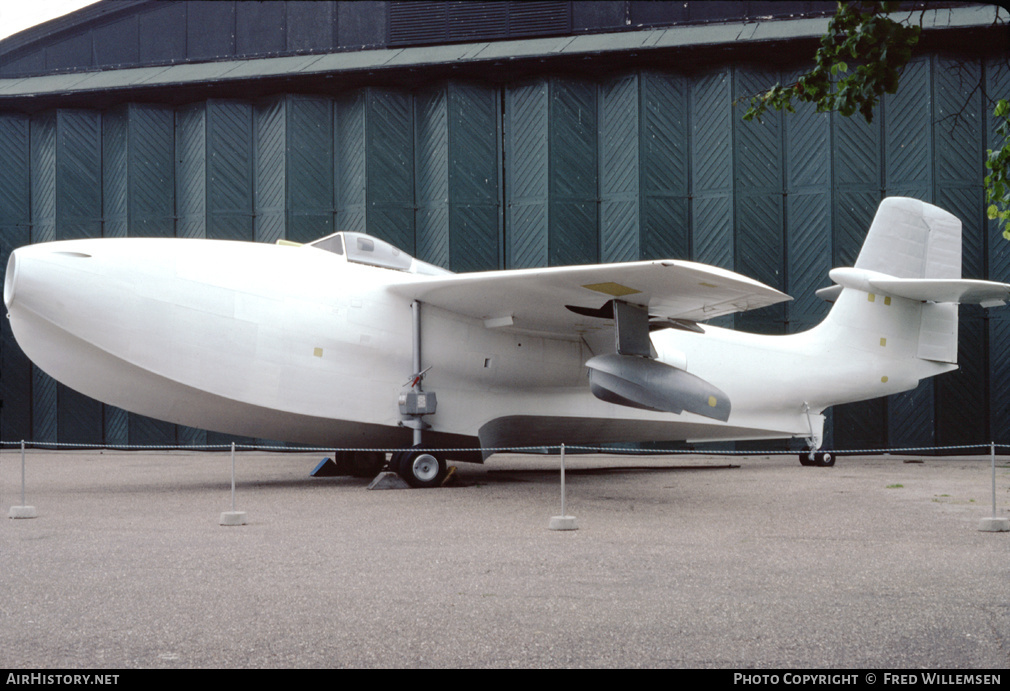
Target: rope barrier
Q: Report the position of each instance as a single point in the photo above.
(541, 448)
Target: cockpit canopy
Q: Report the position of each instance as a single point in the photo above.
(361, 248)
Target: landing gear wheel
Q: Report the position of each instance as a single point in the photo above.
(360, 463)
(421, 468)
(821, 459)
(824, 459)
(367, 464)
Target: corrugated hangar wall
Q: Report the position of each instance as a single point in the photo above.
(547, 171)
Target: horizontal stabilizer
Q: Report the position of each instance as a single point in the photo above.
(960, 290)
(830, 293)
(953, 290)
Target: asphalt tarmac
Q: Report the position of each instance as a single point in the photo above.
(679, 561)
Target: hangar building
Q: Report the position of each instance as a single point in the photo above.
(483, 135)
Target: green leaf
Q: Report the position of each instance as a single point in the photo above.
(882, 48)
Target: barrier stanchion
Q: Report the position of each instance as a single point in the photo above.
(564, 521)
(23, 511)
(994, 524)
(233, 517)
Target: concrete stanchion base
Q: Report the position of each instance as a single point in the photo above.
(563, 523)
(22, 512)
(994, 525)
(233, 518)
(387, 479)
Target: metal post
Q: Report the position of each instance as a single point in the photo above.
(564, 521)
(563, 480)
(22, 472)
(995, 524)
(233, 517)
(22, 511)
(992, 455)
(233, 476)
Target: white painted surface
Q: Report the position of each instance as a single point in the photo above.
(298, 343)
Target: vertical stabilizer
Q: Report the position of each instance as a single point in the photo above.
(915, 242)
(912, 239)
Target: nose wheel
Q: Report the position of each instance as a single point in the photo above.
(420, 467)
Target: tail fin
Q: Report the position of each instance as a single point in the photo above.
(906, 285)
(912, 239)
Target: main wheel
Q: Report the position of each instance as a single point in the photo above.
(421, 468)
(359, 463)
(367, 463)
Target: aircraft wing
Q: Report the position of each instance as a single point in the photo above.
(536, 299)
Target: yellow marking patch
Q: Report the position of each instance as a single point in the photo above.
(887, 300)
(883, 379)
(883, 342)
(611, 288)
(871, 297)
(712, 401)
(318, 352)
(708, 285)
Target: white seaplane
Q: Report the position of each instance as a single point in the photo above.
(346, 341)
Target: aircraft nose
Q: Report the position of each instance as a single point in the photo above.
(41, 277)
(11, 279)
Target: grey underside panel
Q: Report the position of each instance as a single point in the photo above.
(528, 430)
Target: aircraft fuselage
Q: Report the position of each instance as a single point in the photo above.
(298, 344)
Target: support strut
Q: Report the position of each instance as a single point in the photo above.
(415, 329)
(414, 402)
